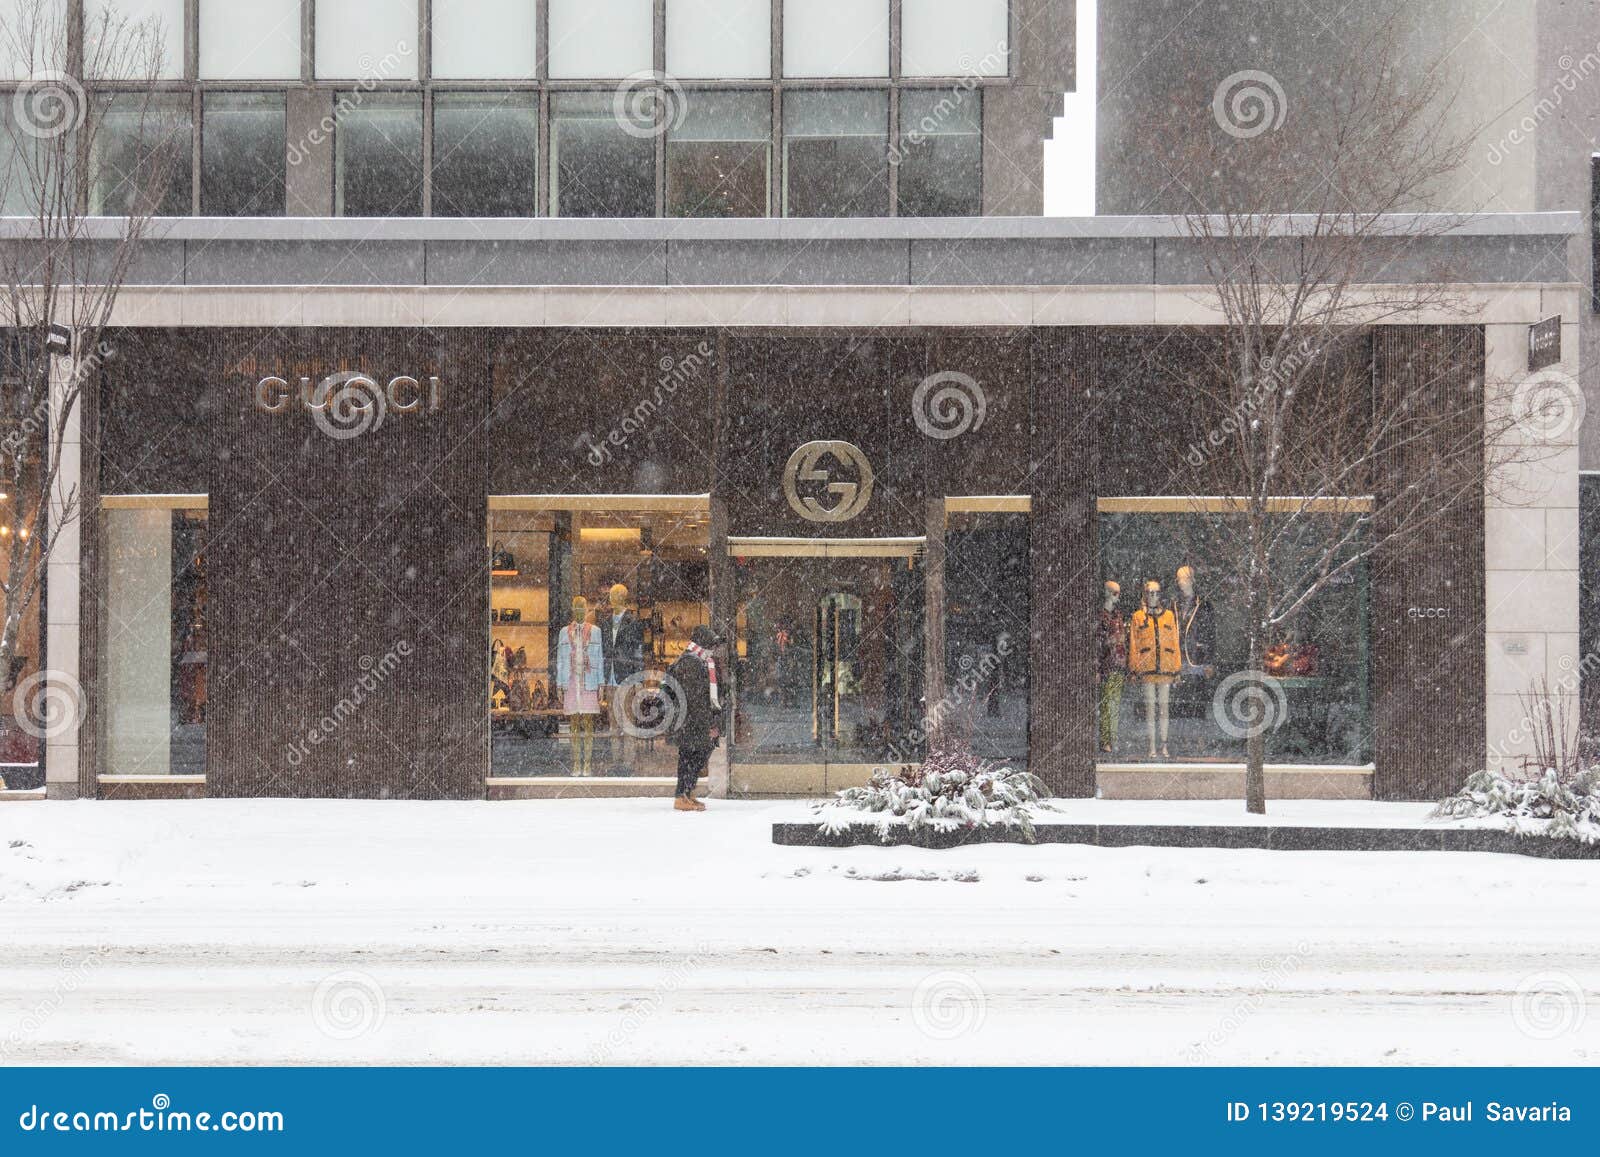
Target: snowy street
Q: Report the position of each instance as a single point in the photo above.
(621, 932)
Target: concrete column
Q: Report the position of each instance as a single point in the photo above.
(310, 131)
(1531, 549)
(63, 576)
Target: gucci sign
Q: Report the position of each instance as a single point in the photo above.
(837, 470)
(348, 404)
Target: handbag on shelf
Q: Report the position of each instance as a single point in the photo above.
(1277, 660)
(520, 661)
(1305, 660)
(500, 558)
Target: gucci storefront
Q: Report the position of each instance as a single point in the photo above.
(451, 563)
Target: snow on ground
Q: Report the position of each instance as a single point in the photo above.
(619, 931)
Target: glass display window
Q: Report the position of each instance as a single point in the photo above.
(1172, 639)
(987, 632)
(153, 649)
(589, 606)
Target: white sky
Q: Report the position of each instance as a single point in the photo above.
(1069, 158)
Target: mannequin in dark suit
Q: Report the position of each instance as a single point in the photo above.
(622, 643)
(621, 639)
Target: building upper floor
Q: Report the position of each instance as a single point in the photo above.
(560, 108)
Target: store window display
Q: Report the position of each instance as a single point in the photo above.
(1187, 634)
(154, 655)
(578, 692)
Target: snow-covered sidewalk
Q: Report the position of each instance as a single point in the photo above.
(620, 931)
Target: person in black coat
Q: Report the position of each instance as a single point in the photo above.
(696, 675)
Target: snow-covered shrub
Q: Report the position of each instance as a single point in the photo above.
(952, 790)
(1561, 807)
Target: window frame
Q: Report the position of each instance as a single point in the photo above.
(777, 85)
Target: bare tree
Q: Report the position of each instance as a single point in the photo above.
(84, 137)
(1303, 226)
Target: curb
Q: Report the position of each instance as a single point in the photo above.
(1259, 837)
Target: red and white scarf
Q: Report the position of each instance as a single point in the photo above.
(704, 656)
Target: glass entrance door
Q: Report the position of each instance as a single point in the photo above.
(830, 667)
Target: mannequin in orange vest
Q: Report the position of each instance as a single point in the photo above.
(1155, 660)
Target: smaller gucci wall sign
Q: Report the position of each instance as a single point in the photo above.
(348, 404)
(828, 481)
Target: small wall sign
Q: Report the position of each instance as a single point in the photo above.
(1544, 343)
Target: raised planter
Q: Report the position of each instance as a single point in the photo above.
(1260, 836)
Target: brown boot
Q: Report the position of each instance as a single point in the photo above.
(696, 804)
(683, 803)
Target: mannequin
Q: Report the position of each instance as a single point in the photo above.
(1113, 664)
(580, 666)
(1197, 624)
(622, 641)
(622, 638)
(1155, 660)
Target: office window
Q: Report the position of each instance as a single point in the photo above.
(255, 41)
(602, 166)
(118, 33)
(836, 154)
(955, 37)
(719, 160)
(485, 154)
(836, 38)
(21, 158)
(941, 153)
(1594, 229)
(485, 39)
(30, 28)
(601, 38)
(366, 39)
(143, 156)
(377, 155)
(243, 154)
(719, 39)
